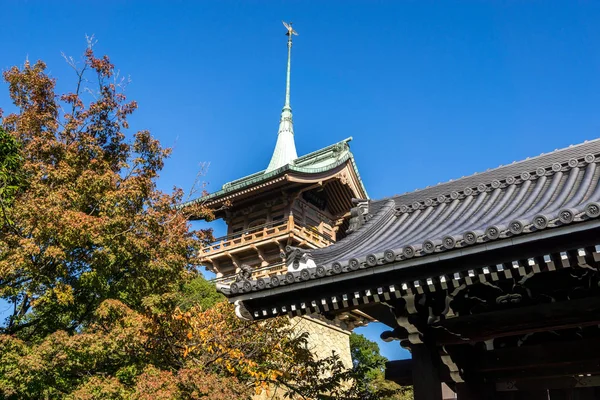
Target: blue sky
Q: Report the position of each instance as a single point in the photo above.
(430, 90)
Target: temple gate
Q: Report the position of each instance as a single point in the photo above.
(491, 281)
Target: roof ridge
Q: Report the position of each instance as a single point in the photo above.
(323, 150)
(293, 166)
(264, 171)
(490, 181)
(370, 227)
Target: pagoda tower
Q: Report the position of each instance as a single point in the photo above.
(296, 202)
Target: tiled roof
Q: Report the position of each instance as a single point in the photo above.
(546, 192)
(316, 162)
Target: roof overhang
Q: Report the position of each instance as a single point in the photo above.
(318, 166)
(317, 294)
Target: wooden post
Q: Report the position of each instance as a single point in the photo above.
(426, 376)
(585, 393)
(559, 394)
(475, 391)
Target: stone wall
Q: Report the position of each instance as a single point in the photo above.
(323, 337)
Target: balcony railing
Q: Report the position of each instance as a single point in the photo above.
(259, 272)
(311, 233)
(266, 231)
(249, 231)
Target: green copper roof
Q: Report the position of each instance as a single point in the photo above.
(285, 157)
(316, 162)
(285, 148)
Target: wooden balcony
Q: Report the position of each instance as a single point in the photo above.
(260, 272)
(274, 230)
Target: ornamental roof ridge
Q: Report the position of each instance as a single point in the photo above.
(297, 162)
(302, 164)
(563, 190)
(378, 213)
(342, 144)
(490, 177)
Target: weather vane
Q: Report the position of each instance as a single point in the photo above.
(290, 30)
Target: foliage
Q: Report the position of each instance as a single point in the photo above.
(366, 357)
(91, 224)
(100, 267)
(167, 353)
(369, 366)
(272, 355)
(11, 173)
(118, 356)
(198, 292)
(391, 391)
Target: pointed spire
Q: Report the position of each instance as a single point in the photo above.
(285, 149)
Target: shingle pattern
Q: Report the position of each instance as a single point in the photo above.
(545, 192)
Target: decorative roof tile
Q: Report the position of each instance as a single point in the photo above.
(318, 161)
(544, 192)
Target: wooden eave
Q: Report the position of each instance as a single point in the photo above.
(335, 161)
(535, 198)
(367, 288)
(349, 186)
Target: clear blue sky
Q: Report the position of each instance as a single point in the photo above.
(429, 90)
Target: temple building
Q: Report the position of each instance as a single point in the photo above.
(296, 202)
(491, 281)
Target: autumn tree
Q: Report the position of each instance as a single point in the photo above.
(99, 267)
(11, 173)
(91, 224)
(93, 258)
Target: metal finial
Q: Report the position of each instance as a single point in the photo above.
(290, 30)
(285, 148)
(289, 33)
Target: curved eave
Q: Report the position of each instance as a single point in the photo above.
(525, 206)
(420, 263)
(288, 172)
(365, 195)
(520, 203)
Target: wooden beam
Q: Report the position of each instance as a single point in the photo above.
(261, 255)
(555, 365)
(584, 352)
(521, 395)
(591, 393)
(517, 321)
(475, 391)
(565, 384)
(425, 371)
(399, 371)
(552, 373)
(235, 261)
(551, 365)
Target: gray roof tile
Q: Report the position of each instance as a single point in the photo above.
(544, 192)
(487, 205)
